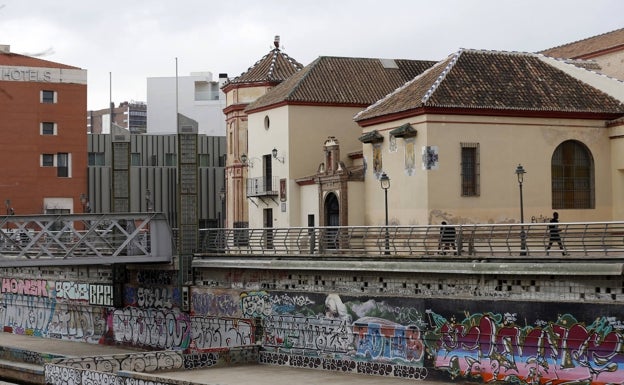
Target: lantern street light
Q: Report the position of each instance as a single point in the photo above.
(385, 185)
(520, 174)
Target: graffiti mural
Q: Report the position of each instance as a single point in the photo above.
(381, 339)
(215, 304)
(156, 328)
(321, 325)
(493, 347)
(310, 333)
(151, 297)
(208, 333)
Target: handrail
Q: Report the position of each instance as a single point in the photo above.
(79, 239)
(473, 241)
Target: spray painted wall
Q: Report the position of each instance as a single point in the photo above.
(484, 340)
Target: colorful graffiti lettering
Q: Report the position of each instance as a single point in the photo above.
(255, 304)
(495, 349)
(382, 339)
(32, 287)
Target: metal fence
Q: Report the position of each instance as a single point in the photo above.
(84, 239)
(535, 240)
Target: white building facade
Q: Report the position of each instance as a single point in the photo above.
(197, 96)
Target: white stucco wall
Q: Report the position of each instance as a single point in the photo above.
(298, 133)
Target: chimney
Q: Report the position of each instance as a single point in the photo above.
(5, 48)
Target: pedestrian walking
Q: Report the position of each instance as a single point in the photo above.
(555, 234)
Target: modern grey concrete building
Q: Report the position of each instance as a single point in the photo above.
(153, 178)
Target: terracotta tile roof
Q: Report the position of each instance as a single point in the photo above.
(343, 81)
(13, 59)
(275, 66)
(472, 79)
(589, 47)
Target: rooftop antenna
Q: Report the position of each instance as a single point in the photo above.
(176, 97)
(110, 101)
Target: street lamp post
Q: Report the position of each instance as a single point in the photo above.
(385, 185)
(520, 174)
(222, 213)
(9, 210)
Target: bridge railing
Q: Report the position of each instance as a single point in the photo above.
(569, 240)
(76, 239)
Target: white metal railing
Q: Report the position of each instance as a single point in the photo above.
(578, 240)
(84, 239)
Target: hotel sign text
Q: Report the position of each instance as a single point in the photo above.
(25, 74)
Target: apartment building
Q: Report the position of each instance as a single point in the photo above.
(43, 150)
(129, 115)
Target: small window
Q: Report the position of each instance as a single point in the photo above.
(47, 160)
(48, 97)
(48, 128)
(96, 159)
(135, 159)
(470, 169)
(170, 159)
(267, 122)
(204, 160)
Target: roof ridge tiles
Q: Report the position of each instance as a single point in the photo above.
(411, 81)
(267, 68)
(441, 77)
(582, 40)
(486, 79)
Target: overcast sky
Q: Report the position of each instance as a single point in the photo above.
(137, 39)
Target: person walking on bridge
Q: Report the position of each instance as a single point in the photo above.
(555, 234)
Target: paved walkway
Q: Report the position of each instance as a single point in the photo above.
(237, 375)
(283, 375)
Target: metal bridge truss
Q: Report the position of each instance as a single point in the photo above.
(84, 239)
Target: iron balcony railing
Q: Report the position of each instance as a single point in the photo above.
(472, 241)
(262, 186)
(79, 239)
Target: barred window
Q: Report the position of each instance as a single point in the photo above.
(470, 170)
(572, 168)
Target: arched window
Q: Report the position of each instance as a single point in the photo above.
(572, 167)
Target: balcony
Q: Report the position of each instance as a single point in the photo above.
(262, 187)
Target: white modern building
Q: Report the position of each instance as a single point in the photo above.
(198, 97)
